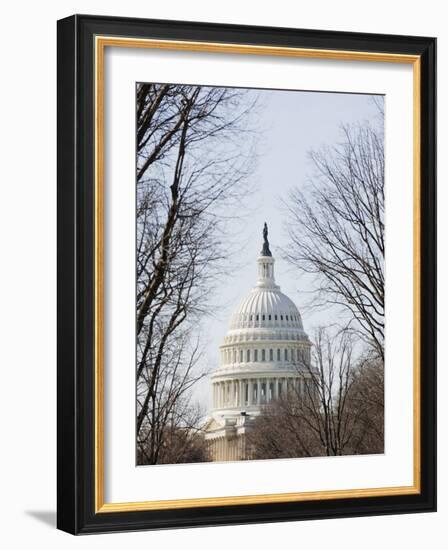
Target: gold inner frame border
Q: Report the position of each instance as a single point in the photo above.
(100, 44)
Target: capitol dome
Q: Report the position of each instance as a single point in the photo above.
(265, 354)
(266, 307)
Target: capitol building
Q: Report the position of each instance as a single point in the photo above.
(265, 355)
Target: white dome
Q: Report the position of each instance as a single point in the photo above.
(265, 312)
(265, 355)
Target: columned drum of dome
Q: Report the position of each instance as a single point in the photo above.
(264, 355)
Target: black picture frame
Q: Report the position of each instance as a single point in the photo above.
(76, 511)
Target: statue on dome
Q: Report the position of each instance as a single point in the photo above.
(265, 251)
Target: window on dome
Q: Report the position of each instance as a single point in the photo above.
(251, 318)
(286, 354)
(275, 317)
(241, 355)
(287, 318)
(269, 318)
(257, 317)
(281, 317)
(256, 355)
(248, 355)
(278, 355)
(271, 355)
(264, 317)
(263, 355)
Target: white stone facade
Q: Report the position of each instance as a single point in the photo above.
(263, 356)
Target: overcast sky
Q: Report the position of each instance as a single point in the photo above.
(292, 123)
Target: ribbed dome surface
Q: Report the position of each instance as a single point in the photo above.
(266, 307)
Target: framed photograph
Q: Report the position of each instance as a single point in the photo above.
(246, 274)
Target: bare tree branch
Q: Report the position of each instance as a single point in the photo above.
(339, 410)
(194, 157)
(336, 228)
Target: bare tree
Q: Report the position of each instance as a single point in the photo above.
(182, 440)
(337, 229)
(366, 401)
(279, 432)
(326, 395)
(338, 411)
(194, 154)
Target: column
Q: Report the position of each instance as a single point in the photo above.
(249, 391)
(258, 391)
(240, 393)
(276, 388)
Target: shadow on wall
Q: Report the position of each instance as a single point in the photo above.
(48, 517)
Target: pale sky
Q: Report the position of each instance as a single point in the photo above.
(293, 123)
